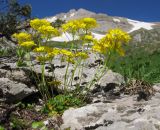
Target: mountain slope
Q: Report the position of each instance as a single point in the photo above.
(105, 21)
(141, 32)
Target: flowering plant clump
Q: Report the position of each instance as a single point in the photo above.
(43, 31)
(113, 41)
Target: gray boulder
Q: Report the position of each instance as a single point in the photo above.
(12, 91)
(16, 74)
(121, 114)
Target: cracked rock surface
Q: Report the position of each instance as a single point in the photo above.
(124, 113)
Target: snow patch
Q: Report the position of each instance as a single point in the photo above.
(64, 37)
(68, 37)
(65, 16)
(72, 14)
(116, 20)
(138, 24)
(97, 36)
(51, 19)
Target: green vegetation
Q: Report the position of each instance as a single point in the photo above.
(37, 42)
(2, 128)
(63, 44)
(39, 125)
(17, 123)
(60, 103)
(141, 62)
(58, 23)
(20, 52)
(6, 52)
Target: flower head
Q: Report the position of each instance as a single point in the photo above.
(27, 44)
(66, 53)
(22, 37)
(87, 38)
(82, 55)
(36, 23)
(89, 23)
(113, 40)
(43, 49)
(43, 58)
(48, 31)
(54, 52)
(72, 26)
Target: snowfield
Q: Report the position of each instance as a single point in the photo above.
(51, 19)
(64, 37)
(116, 20)
(97, 36)
(68, 37)
(71, 15)
(138, 24)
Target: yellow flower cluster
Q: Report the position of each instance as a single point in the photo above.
(67, 53)
(89, 23)
(113, 40)
(87, 38)
(28, 44)
(48, 53)
(41, 49)
(54, 52)
(24, 40)
(74, 26)
(43, 59)
(22, 37)
(82, 55)
(36, 23)
(44, 28)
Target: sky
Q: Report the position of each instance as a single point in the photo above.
(142, 10)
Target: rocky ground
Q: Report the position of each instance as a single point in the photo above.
(108, 107)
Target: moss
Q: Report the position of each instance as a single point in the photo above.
(17, 123)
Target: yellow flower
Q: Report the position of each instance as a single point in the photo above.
(54, 52)
(43, 58)
(113, 41)
(87, 38)
(36, 23)
(72, 26)
(67, 53)
(48, 31)
(28, 44)
(82, 55)
(41, 49)
(119, 35)
(22, 37)
(99, 49)
(89, 23)
(70, 60)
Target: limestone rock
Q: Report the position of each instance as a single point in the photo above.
(121, 114)
(11, 91)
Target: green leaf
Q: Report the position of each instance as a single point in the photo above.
(2, 128)
(36, 125)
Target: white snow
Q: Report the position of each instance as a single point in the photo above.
(72, 14)
(51, 19)
(116, 20)
(64, 37)
(46, 122)
(97, 36)
(138, 24)
(65, 16)
(68, 37)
